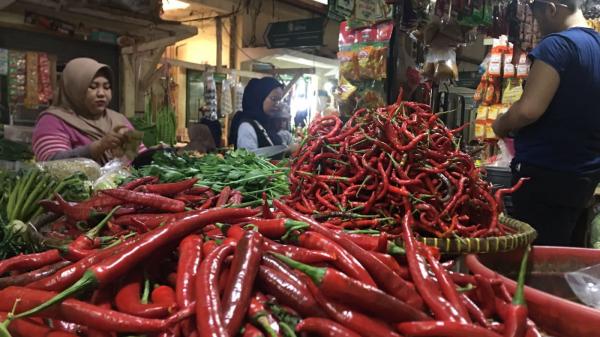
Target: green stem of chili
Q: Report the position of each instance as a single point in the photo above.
(519, 297)
(315, 273)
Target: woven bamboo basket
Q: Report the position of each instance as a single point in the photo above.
(522, 238)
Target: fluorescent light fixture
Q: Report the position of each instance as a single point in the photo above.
(324, 2)
(169, 5)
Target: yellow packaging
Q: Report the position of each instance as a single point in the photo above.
(480, 122)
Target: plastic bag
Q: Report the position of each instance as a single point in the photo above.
(585, 283)
(67, 167)
(440, 64)
(115, 170)
(504, 157)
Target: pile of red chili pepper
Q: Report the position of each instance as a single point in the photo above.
(225, 271)
(355, 175)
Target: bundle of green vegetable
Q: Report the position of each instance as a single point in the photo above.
(241, 170)
(20, 194)
(166, 126)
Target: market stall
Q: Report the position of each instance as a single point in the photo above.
(225, 245)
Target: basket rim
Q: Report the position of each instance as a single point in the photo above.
(525, 236)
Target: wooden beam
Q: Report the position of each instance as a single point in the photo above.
(219, 26)
(233, 42)
(128, 85)
(142, 47)
(292, 71)
(203, 67)
(153, 72)
(289, 86)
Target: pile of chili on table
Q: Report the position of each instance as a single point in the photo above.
(200, 268)
(356, 174)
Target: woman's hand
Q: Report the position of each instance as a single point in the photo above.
(112, 140)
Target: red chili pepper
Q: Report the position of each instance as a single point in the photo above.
(258, 314)
(170, 188)
(515, 319)
(209, 321)
(324, 327)
(420, 275)
(189, 199)
(238, 291)
(447, 286)
(207, 204)
(461, 279)
(444, 328)
(152, 220)
(500, 193)
(150, 200)
(117, 265)
(26, 327)
(223, 196)
(198, 190)
(79, 312)
(208, 247)
(251, 331)
(485, 294)
(344, 260)
(393, 264)
(356, 321)
(299, 254)
(269, 261)
(344, 289)
(71, 273)
(128, 301)
(103, 299)
(190, 256)
(288, 293)
(32, 276)
(164, 295)
(388, 280)
(474, 311)
(77, 212)
(236, 198)
(29, 261)
(139, 182)
(277, 228)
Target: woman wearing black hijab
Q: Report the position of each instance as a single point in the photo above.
(253, 128)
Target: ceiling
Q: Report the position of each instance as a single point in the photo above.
(144, 27)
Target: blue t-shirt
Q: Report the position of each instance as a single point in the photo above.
(567, 137)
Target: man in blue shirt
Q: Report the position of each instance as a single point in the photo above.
(557, 124)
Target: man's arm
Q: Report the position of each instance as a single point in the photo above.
(539, 91)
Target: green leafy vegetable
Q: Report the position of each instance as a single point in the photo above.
(240, 169)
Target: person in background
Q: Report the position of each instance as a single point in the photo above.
(557, 124)
(79, 123)
(282, 123)
(254, 127)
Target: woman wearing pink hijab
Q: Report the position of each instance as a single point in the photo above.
(79, 123)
